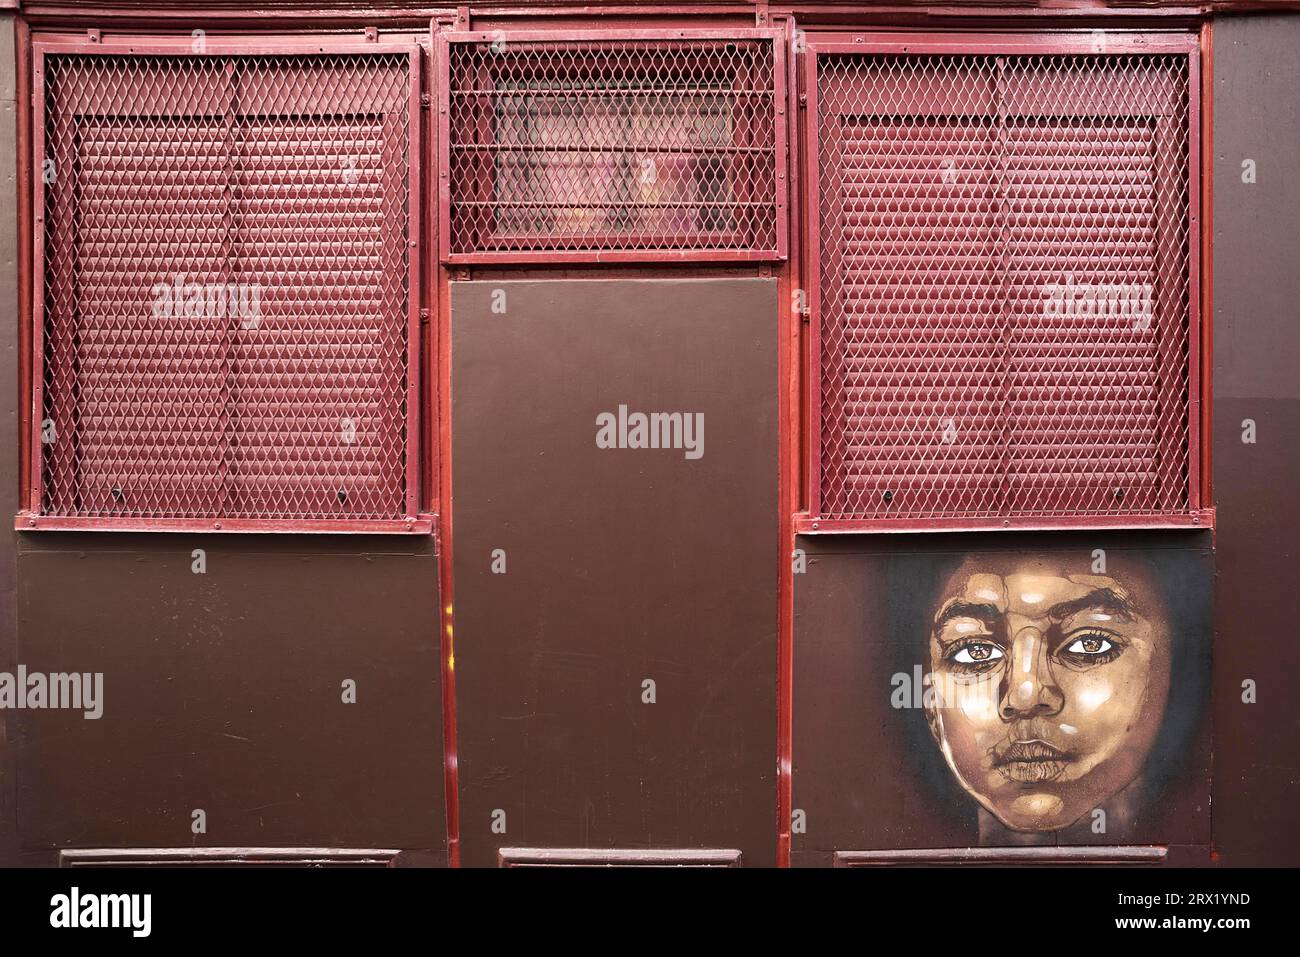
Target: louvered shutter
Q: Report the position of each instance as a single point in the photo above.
(1083, 388)
(911, 237)
(1004, 286)
(319, 224)
(137, 201)
(227, 287)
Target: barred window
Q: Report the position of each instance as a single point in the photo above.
(644, 147)
(1004, 297)
(225, 289)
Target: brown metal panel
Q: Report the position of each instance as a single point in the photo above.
(1256, 353)
(614, 857)
(1003, 856)
(230, 857)
(622, 565)
(869, 771)
(223, 691)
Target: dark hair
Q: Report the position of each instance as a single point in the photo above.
(1176, 577)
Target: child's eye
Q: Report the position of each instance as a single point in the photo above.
(1090, 648)
(976, 653)
(1090, 645)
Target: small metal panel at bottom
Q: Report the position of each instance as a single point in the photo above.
(615, 857)
(229, 856)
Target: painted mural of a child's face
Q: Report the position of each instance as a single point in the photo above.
(1048, 687)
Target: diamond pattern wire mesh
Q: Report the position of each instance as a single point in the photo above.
(1004, 285)
(612, 145)
(226, 286)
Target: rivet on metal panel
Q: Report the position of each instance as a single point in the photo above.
(93, 36)
(372, 34)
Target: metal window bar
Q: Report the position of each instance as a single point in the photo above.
(1004, 300)
(227, 304)
(641, 146)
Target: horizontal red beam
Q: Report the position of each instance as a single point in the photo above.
(809, 525)
(616, 256)
(1082, 42)
(154, 45)
(617, 37)
(496, 8)
(310, 14)
(417, 525)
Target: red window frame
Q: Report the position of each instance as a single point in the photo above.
(414, 521)
(820, 45)
(544, 39)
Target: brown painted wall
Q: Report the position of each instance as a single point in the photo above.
(223, 691)
(621, 565)
(1256, 358)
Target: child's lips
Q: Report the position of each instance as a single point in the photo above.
(1030, 761)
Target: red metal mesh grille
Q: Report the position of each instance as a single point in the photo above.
(226, 286)
(618, 144)
(1004, 285)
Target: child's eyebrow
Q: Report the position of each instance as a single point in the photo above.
(968, 609)
(1099, 599)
